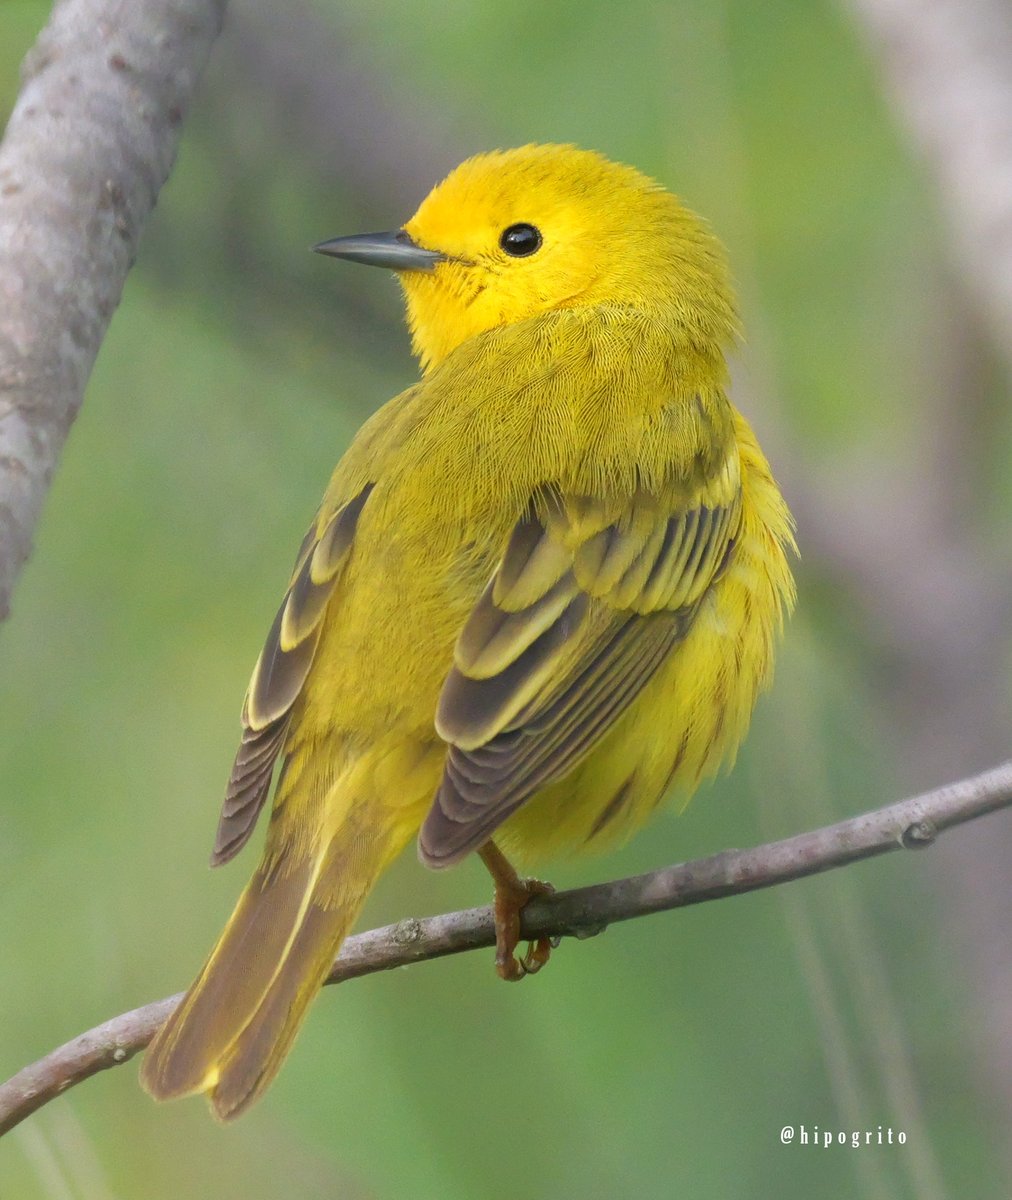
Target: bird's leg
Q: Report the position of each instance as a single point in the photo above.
(511, 894)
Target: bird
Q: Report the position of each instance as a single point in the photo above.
(542, 592)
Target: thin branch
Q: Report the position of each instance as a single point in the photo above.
(584, 912)
(87, 149)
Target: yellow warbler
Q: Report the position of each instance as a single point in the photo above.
(542, 589)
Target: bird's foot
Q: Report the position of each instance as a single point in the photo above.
(511, 895)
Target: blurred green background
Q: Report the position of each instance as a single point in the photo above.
(663, 1058)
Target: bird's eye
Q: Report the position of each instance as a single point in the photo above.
(520, 240)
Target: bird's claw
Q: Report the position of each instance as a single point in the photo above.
(510, 898)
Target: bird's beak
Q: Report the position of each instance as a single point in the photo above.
(395, 251)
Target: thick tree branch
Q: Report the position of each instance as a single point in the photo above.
(86, 151)
(908, 824)
(948, 65)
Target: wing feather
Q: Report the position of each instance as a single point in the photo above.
(495, 636)
(287, 655)
(532, 563)
(281, 671)
(303, 606)
(471, 711)
(584, 607)
(247, 788)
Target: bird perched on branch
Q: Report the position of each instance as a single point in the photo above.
(542, 590)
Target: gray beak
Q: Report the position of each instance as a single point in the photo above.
(395, 251)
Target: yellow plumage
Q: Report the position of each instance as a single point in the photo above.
(542, 590)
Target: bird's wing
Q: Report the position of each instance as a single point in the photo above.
(587, 601)
(281, 671)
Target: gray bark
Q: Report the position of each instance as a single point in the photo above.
(948, 66)
(88, 147)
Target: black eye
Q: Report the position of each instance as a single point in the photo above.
(520, 240)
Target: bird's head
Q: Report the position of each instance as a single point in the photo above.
(516, 233)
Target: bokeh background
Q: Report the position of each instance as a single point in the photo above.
(664, 1057)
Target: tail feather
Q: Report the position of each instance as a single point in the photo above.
(232, 1030)
(258, 1052)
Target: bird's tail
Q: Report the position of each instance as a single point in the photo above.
(232, 1030)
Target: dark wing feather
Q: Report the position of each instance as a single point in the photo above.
(481, 788)
(585, 606)
(281, 671)
(247, 788)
